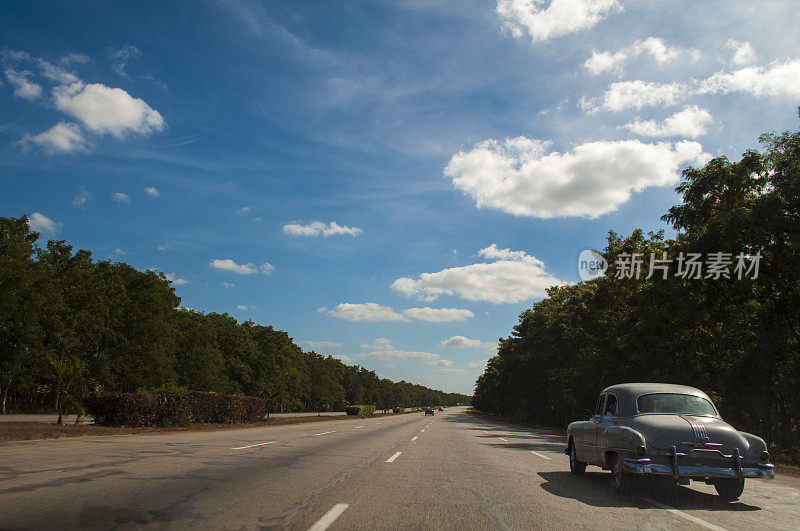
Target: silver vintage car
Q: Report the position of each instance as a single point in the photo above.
(673, 432)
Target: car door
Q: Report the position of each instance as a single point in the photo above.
(588, 451)
(607, 420)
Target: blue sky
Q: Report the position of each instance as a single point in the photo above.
(389, 182)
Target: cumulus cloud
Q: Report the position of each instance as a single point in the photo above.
(635, 95)
(464, 342)
(119, 197)
(80, 200)
(653, 47)
(228, 285)
(318, 228)
(381, 343)
(743, 52)
(505, 280)
(518, 176)
(103, 109)
(40, 223)
(560, 17)
(481, 364)
(172, 277)
(321, 344)
(23, 87)
(440, 363)
(227, 264)
(163, 247)
(152, 191)
(438, 315)
(242, 211)
(393, 354)
(777, 79)
(64, 137)
(242, 307)
(691, 122)
(368, 311)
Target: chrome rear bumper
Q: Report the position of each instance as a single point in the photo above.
(645, 466)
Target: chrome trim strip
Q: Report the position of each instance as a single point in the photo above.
(635, 466)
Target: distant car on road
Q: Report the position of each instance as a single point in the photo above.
(441, 408)
(429, 411)
(665, 431)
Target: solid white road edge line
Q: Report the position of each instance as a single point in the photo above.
(329, 517)
(540, 455)
(251, 445)
(414, 438)
(395, 456)
(359, 427)
(685, 516)
(506, 440)
(324, 433)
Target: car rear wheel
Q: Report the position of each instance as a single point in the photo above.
(621, 480)
(729, 489)
(575, 466)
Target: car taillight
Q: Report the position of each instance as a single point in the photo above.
(641, 451)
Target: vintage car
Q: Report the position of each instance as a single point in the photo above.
(673, 432)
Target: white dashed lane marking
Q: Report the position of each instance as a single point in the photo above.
(414, 438)
(540, 455)
(395, 456)
(324, 433)
(502, 439)
(329, 517)
(252, 445)
(685, 516)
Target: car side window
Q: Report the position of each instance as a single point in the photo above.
(611, 406)
(598, 408)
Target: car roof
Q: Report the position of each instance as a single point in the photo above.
(627, 393)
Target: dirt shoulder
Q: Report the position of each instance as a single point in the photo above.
(27, 431)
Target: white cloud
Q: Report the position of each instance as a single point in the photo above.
(163, 247)
(440, 363)
(119, 197)
(242, 211)
(241, 269)
(560, 17)
(635, 95)
(56, 73)
(511, 280)
(368, 311)
(40, 223)
(519, 177)
(381, 343)
(64, 137)
(23, 87)
(152, 191)
(392, 354)
(120, 57)
(654, 47)
(477, 364)
(438, 315)
(118, 252)
(743, 52)
(690, 123)
(80, 200)
(104, 109)
(779, 79)
(344, 358)
(464, 342)
(321, 344)
(318, 228)
(172, 277)
(228, 285)
(242, 307)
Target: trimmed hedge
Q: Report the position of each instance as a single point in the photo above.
(361, 411)
(173, 409)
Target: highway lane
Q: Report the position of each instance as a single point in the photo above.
(453, 471)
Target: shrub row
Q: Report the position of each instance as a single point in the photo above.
(173, 409)
(361, 411)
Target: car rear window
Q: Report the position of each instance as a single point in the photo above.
(675, 403)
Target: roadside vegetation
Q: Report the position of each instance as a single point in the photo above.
(71, 325)
(736, 339)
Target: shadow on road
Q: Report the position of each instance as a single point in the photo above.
(594, 488)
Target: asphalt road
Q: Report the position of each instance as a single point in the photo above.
(452, 471)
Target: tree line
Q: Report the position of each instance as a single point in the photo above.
(736, 339)
(70, 324)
